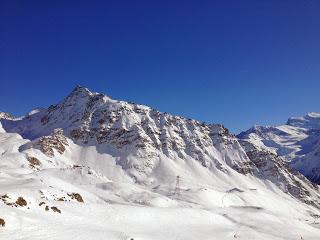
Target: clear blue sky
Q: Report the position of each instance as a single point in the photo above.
(238, 63)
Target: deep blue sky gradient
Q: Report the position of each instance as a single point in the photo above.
(238, 63)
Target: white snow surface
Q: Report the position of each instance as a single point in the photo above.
(128, 183)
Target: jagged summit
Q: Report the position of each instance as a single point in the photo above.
(81, 94)
(80, 90)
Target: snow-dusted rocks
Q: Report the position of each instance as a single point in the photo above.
(49, 144)
(4, 115)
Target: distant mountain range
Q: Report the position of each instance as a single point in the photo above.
(298, 142)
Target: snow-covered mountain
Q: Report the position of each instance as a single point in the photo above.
(93, 167)
(298, 142)
(126, 129)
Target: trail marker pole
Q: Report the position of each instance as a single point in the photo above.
(177, 190)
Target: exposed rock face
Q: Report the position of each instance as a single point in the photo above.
(55, 209)
(76, 196)
(21, 202)
(48, 145)
(33, 162)
(272, 167)
(2, 222)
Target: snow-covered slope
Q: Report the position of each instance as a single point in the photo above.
(310, 121)
(298, 142)
(91, 167)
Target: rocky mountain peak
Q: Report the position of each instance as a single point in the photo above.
(4, 115)
(94, 119)
(80, 89)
